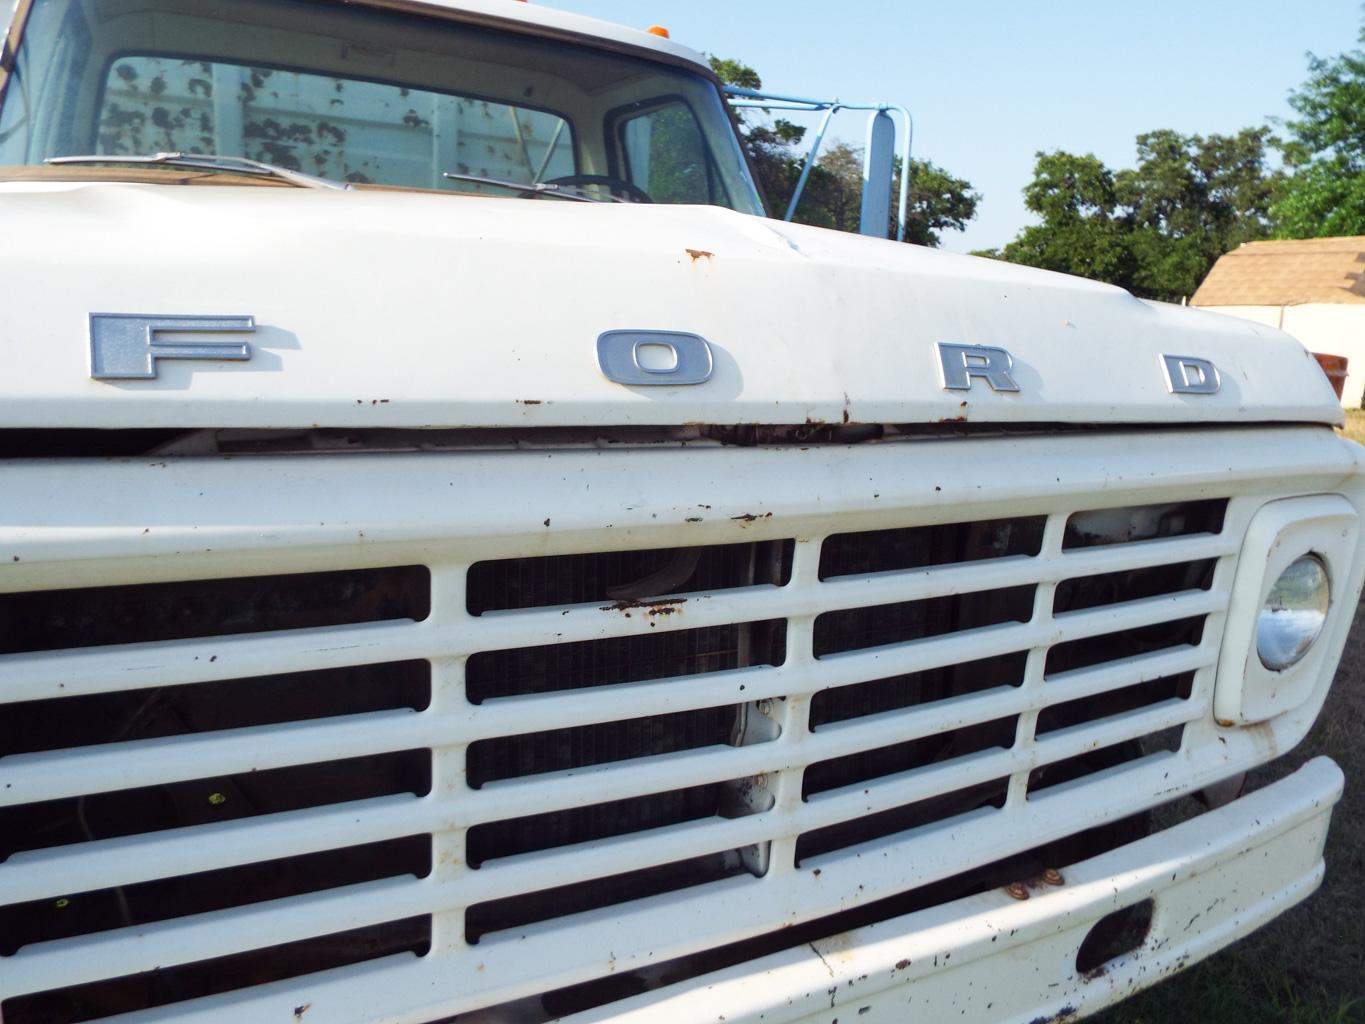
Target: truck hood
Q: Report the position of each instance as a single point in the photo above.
(390, 309)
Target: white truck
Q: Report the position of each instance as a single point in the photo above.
(460, 561)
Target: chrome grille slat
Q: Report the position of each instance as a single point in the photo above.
(454, 976)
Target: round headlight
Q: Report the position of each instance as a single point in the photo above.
(1293, 614)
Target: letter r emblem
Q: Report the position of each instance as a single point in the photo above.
(958, 364)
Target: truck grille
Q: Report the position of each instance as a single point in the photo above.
(473, 763)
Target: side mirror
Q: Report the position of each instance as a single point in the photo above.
(879, 167)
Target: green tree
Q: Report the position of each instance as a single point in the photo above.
(1193, 198)
(1156, 228)
(834, 195)
(1325, 194)
(1083, 231)
(938, 201)
(733, 72)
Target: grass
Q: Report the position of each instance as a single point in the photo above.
(1307, 967)
(1355, 425)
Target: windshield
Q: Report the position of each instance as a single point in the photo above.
(364, 96)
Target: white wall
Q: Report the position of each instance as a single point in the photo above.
(1334, 328)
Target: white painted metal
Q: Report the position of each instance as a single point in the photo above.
(503, 300)
(197, 518)
(138, 858)
(989, 959)
(1326, 526)
(162, 519)
(538, 16)
(9, 9)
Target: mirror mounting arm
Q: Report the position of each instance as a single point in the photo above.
(878, 159)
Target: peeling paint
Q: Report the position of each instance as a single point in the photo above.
(659, 606)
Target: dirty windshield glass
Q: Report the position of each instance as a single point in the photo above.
(366, 97)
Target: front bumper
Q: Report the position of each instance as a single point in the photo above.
(1212, 880)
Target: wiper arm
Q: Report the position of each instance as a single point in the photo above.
(208, 162)
(535, 187)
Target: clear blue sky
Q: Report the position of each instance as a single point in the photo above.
(992, 82)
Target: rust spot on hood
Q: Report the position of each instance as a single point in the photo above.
(961, 417)
(750, 517)
(700, 254)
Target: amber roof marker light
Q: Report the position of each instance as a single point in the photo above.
(658, 30)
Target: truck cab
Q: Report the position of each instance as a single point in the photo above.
(460, 560)
(360, 96)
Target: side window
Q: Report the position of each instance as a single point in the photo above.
(51, 63)
(348, 129)
(666, 155)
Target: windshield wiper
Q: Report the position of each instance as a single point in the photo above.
(208, 162)
(535, 187)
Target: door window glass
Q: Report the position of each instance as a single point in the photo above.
(667, 156)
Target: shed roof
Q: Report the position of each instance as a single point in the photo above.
(1287, 273)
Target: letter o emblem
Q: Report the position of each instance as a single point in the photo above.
(654, 358)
